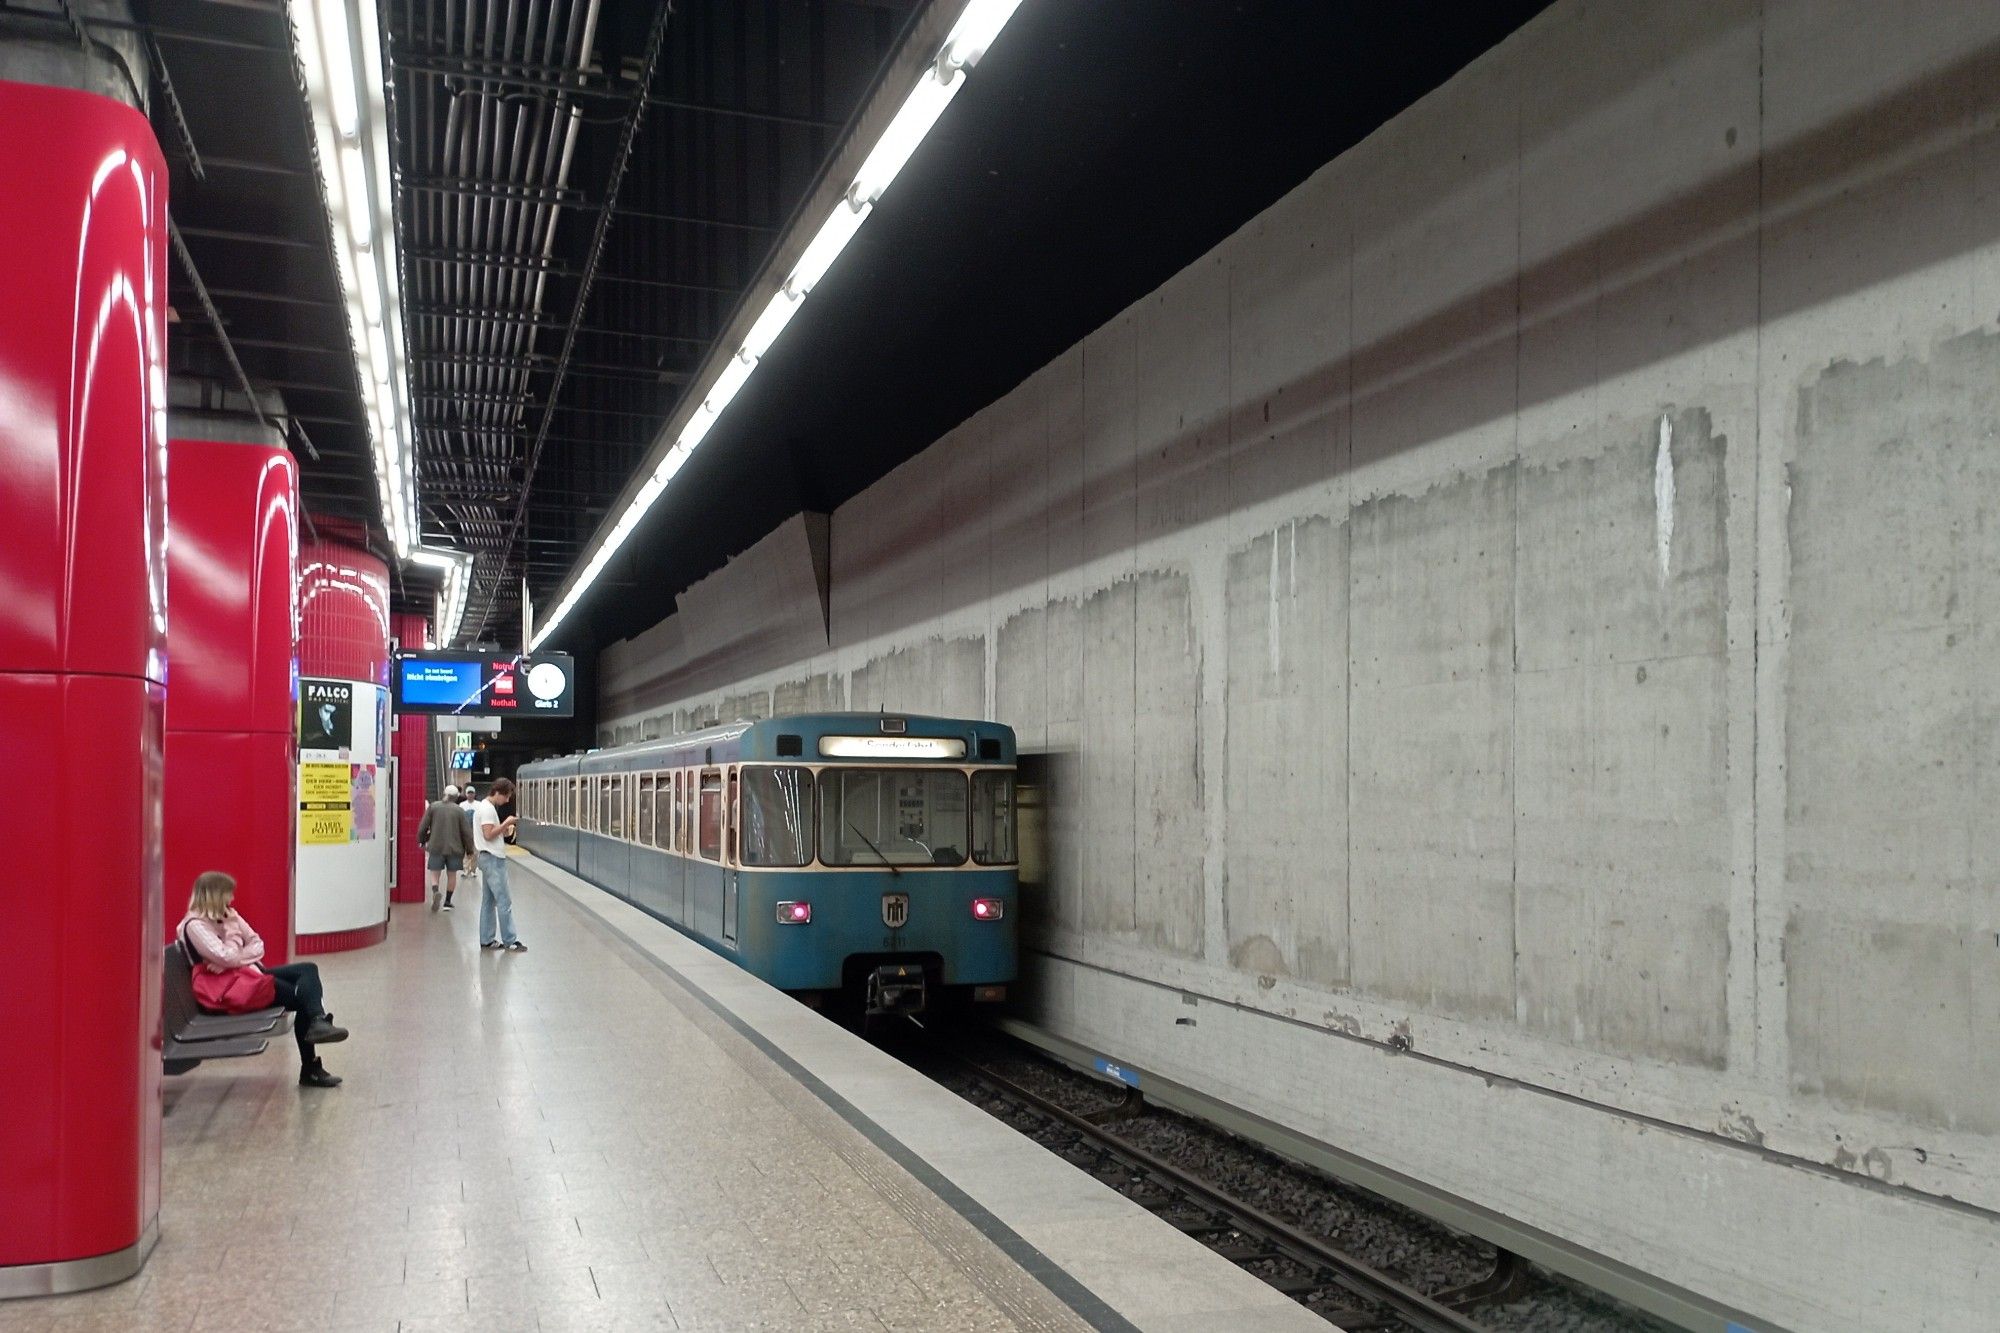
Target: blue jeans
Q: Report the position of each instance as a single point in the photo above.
(494, 898)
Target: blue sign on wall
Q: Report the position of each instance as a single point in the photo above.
(1129, 1077)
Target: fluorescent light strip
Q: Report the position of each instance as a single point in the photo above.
(969, 39)
(340, 51)
(457, 567)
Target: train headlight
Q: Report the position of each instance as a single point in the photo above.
(795, 914)
(988, 909)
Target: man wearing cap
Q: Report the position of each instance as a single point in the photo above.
(446, 842)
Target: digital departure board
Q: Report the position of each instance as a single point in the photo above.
(443, 683)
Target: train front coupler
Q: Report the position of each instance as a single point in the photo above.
(896, 988)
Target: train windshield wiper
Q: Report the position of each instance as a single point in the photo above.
(894, 869)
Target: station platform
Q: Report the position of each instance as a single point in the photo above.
(618, 1129)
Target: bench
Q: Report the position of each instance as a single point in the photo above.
(191, 1035)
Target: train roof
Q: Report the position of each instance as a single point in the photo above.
(795, 736)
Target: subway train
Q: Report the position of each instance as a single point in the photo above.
(850, 858)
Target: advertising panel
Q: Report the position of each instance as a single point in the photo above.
(326, 804)
(326, 716)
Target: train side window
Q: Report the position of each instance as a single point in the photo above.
(644, 833)
(993, 823)
(663, 812)
(776, 816)
(710, 818)
(615, 818)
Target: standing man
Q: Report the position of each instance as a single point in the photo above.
(446, 836)
(490, 837)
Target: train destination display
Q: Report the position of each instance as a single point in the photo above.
(445, 683)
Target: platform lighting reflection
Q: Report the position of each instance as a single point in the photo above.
(340, 53)
(457, 567)
(969, 39)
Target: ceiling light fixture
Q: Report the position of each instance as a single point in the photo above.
(457, 567)
(339, 51)
(978, 25)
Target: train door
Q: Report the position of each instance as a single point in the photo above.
(731, 861)
(683, 842)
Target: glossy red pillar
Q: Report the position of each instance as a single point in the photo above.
(411, 745)
(232, 591)
(83, 586)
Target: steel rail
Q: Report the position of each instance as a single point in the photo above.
(1280, 1238)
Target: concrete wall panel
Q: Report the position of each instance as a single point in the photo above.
(1108, 804)
(1893, 715)
(1169, 796)
(1432, 847)
(1285, 783)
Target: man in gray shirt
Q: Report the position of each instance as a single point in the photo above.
(446, 835)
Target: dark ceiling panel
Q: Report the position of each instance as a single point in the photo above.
(509, 129)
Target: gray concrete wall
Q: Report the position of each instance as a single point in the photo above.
(1531, 598)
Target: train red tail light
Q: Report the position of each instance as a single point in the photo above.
(795, 914)
(988, 909)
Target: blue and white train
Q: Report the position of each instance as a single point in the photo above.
(834, 853)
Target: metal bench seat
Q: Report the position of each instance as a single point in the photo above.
(192, 1036)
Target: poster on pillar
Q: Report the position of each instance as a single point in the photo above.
(326, 804)
(326, 718)
(343, 836)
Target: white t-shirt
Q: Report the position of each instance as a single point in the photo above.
(483, 814)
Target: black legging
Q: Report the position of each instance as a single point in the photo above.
(299, 991)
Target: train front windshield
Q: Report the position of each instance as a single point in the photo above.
(893, 816)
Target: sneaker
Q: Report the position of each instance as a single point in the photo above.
(318, 1077)
(447, 904)
(435, 902)
(322, 1031)
(517, 947)
(490, 944)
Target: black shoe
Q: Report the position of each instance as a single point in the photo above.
(517, 947)
(316, 1076)
(493, 944)
(323, 1031)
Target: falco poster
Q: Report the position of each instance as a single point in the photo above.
(326, 715)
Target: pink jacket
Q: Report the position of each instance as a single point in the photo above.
(223, 944)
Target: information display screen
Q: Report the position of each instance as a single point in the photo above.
(443, 682)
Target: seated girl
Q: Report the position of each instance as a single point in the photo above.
(220, 940)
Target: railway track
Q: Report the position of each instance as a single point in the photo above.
(1343, 1289)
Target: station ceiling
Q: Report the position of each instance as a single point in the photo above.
(585, 187)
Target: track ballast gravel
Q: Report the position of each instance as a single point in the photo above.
(1384, 1235)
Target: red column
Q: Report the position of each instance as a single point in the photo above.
(232, 585)
(83, 590)
(411, 746)
(343, 892)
